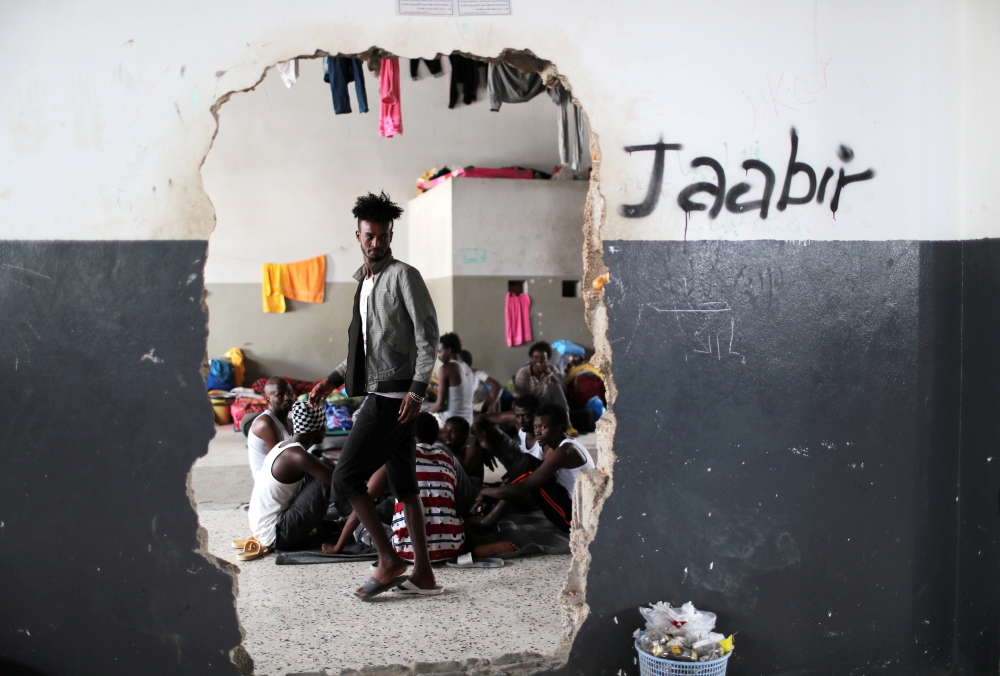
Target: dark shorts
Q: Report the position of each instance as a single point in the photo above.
(552, 497)
(377, 438)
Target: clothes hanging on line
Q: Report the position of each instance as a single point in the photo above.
(302, 280)
(506, 84)
(339, 71)
(433, 65)
(390, 113)
(464, 72)
(289, 71)
(572, 139)
(517, 314)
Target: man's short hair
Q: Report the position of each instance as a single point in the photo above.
(541, 346)
(461, 423)
(555, 412)
(376, 209)
(528, 401)
(452, 342)
(426, 428)
(466, 357)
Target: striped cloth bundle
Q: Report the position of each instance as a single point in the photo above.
(436, 480)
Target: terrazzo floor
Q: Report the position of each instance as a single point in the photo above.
(304, 619)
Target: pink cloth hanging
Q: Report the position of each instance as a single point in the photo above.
(518, 314)
(390, 114)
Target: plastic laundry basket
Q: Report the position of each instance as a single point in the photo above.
(657, 666)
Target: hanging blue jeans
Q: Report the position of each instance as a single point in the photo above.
(338, 72)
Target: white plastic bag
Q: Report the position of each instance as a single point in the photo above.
(686, 621)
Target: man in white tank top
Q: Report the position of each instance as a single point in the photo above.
(271, 426)
(550, 481)
(456, 383)
(291, 492)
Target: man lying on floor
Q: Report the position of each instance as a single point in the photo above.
(551, 479)
(291, 491)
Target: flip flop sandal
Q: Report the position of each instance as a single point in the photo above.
(373, 587)
(253, 550)
(408, 588)
(240, 544)
(469, 562)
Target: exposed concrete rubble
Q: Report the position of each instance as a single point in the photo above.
(510, 664)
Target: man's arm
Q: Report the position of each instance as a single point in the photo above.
(295, 461)
(420, 307)
(493, 398)
(555, 459)
(506, 449)
(323, 388)
(265, 428)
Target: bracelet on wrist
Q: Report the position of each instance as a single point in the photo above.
(416, 397)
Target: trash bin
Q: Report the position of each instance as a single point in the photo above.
(657, 666)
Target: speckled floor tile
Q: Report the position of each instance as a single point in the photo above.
(304, 618)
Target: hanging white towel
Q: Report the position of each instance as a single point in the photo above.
(289, 71)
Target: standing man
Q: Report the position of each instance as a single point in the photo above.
(390, 358)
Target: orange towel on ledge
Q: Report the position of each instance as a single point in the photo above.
(303, 280)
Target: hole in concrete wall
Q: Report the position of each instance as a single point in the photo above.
(262, 178)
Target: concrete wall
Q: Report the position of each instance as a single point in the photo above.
(470, 237)
(305, 342)
(479, 320)
(109, 114)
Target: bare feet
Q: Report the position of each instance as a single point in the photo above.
(494, 549)
(328, 548)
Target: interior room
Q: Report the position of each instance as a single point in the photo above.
(493, 192)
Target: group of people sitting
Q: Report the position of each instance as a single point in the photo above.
(292, 491)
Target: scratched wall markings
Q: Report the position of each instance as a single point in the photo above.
(705, 322)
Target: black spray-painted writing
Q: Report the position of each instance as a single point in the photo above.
(731, 199)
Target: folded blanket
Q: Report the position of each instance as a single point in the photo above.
(352, 552)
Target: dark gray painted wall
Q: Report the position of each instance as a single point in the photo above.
(104, 415)
(789, 449)
(846, 356)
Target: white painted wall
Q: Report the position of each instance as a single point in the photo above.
(284, 171)
(430, 232)
(518, 228)
(108, 108)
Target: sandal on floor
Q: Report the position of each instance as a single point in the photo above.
(253, 550)
(373, 587)
(408, 588)
(240, 544)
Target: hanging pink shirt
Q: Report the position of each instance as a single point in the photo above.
(390, 114)
(518, 315)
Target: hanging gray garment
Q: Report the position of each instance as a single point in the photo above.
(572, 140)
(506, 84)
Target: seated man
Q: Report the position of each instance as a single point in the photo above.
(446, 492)
(488, 391)
(456, 384)
(455, 435)
(551, 480)
(522, 415)
(291, 492)
(541, 378)
(271, 426)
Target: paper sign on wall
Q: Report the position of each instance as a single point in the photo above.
(483, 7)
(425, 7)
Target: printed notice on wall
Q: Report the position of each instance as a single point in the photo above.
(483, 7)
(425, 7)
